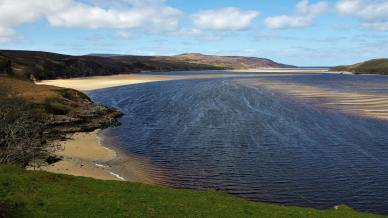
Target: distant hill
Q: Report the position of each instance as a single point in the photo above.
(234, 62)
(223, 62)
(375, 66)
(45, 65)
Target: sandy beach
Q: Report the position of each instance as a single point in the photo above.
(85, 155)
(100, 82)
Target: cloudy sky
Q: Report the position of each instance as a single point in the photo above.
(299, 32)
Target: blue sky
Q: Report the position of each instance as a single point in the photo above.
(299, 32)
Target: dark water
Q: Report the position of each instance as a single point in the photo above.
(217, 133)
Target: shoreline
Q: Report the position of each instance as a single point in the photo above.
(131, 167)
(86, 155)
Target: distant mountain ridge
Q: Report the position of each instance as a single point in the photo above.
(46, 65)
(234, 62)
(228, 62)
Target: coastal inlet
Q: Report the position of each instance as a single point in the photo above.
(254, 137)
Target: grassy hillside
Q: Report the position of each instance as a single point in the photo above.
(69, 110)
(40, 194)
(46, 98)
(221, 62)
(376, 66)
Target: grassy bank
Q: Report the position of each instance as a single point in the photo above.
(47, 98)
(68, 110)
(40, 194)
(376, 66)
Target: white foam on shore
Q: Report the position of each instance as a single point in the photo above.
(117, 176)
(100, 165)
(99, 141)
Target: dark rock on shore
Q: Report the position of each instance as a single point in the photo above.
(88, 117)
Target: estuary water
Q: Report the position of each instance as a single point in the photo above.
(305, 139)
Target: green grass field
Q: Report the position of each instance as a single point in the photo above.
(40, 194)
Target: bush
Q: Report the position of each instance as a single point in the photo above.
(53, 106)
(73, 94)
(23, 136)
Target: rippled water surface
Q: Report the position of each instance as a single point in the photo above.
(236, 135)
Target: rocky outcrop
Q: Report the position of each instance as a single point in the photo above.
(86, 118)
(64, 110)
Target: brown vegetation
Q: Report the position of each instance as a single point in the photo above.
(24, 139)
(33, 116)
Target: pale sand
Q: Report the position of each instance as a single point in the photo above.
(80, 155)
(100, 82)
(83, 155)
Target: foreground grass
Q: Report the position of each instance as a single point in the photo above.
(40, 194)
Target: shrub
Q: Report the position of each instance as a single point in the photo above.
(23, 136)
(53, 106)
(72, 94)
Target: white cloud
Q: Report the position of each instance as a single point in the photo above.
(304, 16)
(372, 13)
(123, 34)
(188, 32)
(224, 19)
(7, 34)
(152, 15)
(383, 26)
(13, 13)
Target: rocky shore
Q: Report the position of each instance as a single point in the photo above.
(87, 117)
